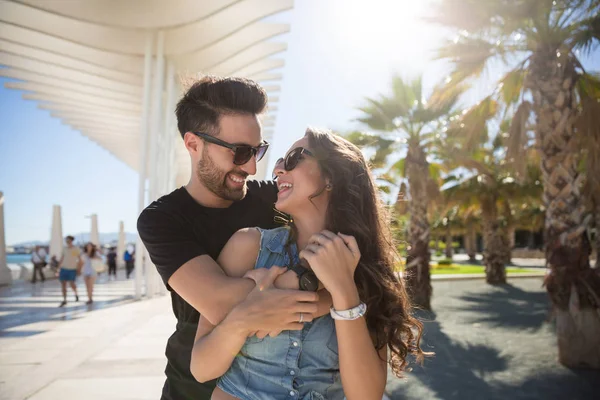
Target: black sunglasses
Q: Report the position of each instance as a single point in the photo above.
(242, 153)
(292, 159)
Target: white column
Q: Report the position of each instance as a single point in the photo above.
(174, 138)
(143, 161)
(121, 245)
(56, 235)
(150, 273)
(94, 234)
(168, 126)
(5, 273)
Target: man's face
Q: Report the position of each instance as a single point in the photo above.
(69, 241)
(216, 169)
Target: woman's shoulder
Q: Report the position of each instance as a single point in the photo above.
(279, 234)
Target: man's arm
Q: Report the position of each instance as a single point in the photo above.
(197, 278)
(214, 291)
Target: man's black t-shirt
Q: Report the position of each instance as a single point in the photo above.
(176, 229)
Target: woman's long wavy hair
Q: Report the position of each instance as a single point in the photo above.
(355, 209)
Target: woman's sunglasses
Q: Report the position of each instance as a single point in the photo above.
(242, 153)
(292, 159)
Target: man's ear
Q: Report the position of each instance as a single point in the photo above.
(193, 143)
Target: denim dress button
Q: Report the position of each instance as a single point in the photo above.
(292, 393)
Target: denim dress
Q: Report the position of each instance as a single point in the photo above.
(301, 365)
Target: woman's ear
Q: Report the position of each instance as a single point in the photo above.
(328, 186)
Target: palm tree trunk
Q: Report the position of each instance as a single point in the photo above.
(471, 242)
(508, 236)
(573, 286)
(493, 254)
(418, 278)
(597, 239)
(506, 247)
(449, 250)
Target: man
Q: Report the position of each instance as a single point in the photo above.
(38, 259)
(111, 260)
(185, 230)
(129, 258)
(70, 265)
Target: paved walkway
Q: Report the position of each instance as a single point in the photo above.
(490, 343)
(112, 349)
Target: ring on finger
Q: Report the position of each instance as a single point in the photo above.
(301, 317)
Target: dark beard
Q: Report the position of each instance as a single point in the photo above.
(215, 180)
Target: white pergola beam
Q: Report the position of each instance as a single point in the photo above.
(32, 77)
(265, 76)
(99, 116)
(254, 68)
(34, 38)
(69, 93)
(91, 101)
(229, 46)
(68, 62)
(105, 123)
(193, 37)
(251, 55)
(67, 74)
(64, 105)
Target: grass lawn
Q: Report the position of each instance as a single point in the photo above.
(468, 269)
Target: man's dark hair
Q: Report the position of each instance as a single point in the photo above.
(71, 238)
(211, 96)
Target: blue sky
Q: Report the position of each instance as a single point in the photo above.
(339, 51)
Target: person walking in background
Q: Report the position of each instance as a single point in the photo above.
(111, 260)
(89, 273)
(38, 258)
(129, 258)
(70, 264)
(54, 265)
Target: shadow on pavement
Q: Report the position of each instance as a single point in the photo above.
(24, 303)
(508, 306)
(456, 370)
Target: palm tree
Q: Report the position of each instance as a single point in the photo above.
(405, 117)
(488, 188)
(545, 37)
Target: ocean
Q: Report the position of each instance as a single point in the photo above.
(18, 258)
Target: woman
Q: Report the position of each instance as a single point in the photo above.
(326, 187)
(88, 272)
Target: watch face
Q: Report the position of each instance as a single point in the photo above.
(309, 282)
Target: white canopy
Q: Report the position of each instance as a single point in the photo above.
(83, 60)
(110, 69)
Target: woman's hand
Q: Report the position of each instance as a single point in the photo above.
(333, 258)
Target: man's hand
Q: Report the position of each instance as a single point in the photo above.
(269, 309)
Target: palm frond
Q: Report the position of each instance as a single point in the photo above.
(403, 96)
(398, 168)
(471, 128)
(375, 116)
(517, 139)
(469, 15)
(588, 129)
(586, 34)
(444, 98)
(512, 85)
(469, 56)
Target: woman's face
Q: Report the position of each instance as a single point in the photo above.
(296, 187)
